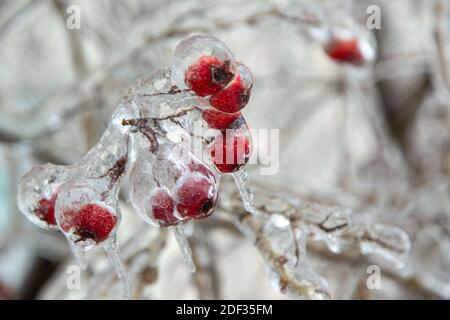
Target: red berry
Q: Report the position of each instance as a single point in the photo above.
(46, 209)
(208, 75)
(163, 206)
(91, 221)
(233, 98)
(229, 155)
(345, 50)
(196, 196)
(220, 120)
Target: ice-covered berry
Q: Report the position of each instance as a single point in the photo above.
(196, 196)
(344, 47)
(88, 222)
(208, 75)
(203, 64)
(237, 94)
(163, 206)
(220, 120)
(229, 154)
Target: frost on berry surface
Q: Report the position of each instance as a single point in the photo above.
(342, 40)
(219, 120)
(231, 149)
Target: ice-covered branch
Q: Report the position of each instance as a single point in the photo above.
(287, 223)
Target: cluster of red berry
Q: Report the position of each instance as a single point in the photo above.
(76, 199)
(226, 85)
(169, 184)
(172, 188)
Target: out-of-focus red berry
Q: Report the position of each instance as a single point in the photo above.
(345, 50)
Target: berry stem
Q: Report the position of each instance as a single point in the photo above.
(185, 248)
(112, 250)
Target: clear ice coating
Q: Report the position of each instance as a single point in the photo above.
(242, 181)
(37, 192)
(282, 243)
(162, 131)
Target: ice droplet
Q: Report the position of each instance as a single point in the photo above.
(124, 112)
(185, 248)
(112, 250)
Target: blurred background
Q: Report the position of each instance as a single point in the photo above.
(372, 138)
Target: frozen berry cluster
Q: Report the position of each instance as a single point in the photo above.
(152, 135)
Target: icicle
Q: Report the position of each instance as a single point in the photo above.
(112, 250)
(243, 184)
(185, 248)
(78, 254)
